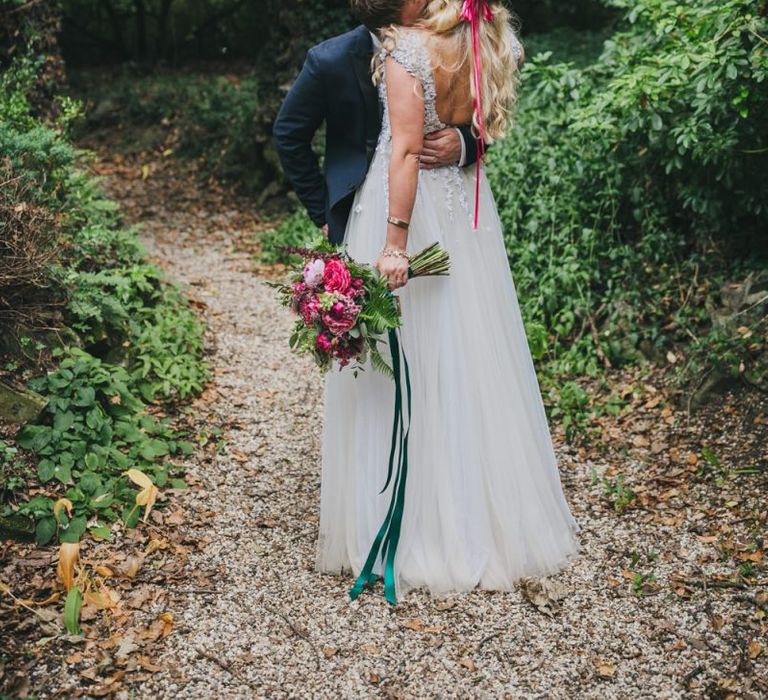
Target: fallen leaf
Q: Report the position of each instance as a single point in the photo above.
(416, 625)
(132, 566)
(544, 594)
(62, 503)
(148, 494)
(127, 646)
(69, 555)
(605, 669)
(467, 663)
(266, 521)
(754, 648)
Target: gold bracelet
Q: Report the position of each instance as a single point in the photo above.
(398, 222)
(394, 253)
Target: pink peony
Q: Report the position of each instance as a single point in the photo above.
(323, 343)
(336, 277)
(313, 272)
(341, 317)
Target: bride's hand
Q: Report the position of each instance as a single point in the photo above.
(393, 270)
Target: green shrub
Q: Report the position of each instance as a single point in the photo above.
(296, 230)
(139, 342)
(629, 190)
(98, 430)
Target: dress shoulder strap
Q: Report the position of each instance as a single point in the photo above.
(410, 51)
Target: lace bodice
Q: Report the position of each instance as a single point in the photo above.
(411, 52)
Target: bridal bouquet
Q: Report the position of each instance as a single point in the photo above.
(344, 307)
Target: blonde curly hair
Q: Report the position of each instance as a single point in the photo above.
(500, 75)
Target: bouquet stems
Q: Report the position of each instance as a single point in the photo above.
(432, 261)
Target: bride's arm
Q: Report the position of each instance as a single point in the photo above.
(405, 101)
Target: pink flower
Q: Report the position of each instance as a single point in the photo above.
(341, 317)
(309, 308)
(348, 351)
(323, 343)
(336, 277)
(313, 272)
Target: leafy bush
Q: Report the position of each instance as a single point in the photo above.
(130, 338)
(629, 190)
(296, 230)
(98, 430)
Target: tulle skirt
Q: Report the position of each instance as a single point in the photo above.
(484, 504)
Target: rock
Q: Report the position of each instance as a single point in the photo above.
(20, 406)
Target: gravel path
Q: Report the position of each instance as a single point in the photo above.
(274, 628)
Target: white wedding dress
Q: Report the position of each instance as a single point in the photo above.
(483, 501)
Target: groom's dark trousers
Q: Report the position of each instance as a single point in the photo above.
(334, 87)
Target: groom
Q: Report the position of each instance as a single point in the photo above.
(335, 87)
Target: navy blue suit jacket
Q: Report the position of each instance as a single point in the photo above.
(334, 87)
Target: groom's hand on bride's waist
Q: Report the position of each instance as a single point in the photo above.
(441, 148)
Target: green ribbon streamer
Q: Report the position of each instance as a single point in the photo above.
(388, 536)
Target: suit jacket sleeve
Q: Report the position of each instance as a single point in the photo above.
(302, 113)
(470, 145)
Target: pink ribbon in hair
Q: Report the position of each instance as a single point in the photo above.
(474, 12)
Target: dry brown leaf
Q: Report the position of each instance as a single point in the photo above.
(416, 625)
(266, 521)
(605, 669)
(127, 646)
(754, 648)
(544, 594)
(148, 665)
(69, 555)
(154, 545)
(467, 663)
(132, 566)
(62, 503)
(149, 492)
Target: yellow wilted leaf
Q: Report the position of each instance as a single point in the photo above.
(148, 494)
(97, 599)
(62, 503)
(69, 554)
(139, 478)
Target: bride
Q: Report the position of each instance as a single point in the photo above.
(483, 502)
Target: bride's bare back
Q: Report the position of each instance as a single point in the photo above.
(452, 80)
